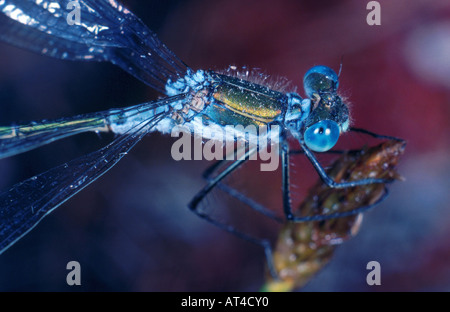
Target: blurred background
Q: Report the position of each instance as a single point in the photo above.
(131, 230)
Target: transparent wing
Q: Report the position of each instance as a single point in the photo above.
(28, 202)
(21, 138)
(90, 30)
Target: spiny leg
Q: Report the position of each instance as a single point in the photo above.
(339, 152)
(255, 205)
(286, 189)
(329, 181)
(208, 173)
(367, 132)
(287, 207)
(286, 192)
(213, 182)
(194, 206)
(264, 243)
(342, 214)
(250, 202)
(375, 135)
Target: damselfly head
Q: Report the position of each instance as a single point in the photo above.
(329, 115)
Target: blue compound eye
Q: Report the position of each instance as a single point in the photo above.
(320, 79)
(322, 136)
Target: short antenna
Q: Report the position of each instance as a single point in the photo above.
(340, 67)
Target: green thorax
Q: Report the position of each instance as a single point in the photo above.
(240, 102)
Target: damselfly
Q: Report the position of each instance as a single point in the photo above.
(104, 30)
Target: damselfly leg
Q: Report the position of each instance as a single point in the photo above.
(216, 181)
(326, 179)
(285, 155)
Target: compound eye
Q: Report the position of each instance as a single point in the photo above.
(320, 79)
(322, 136)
